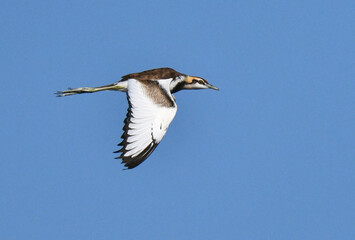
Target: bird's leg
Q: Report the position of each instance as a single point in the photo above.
(72, 91)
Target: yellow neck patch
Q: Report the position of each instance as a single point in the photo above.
(189, 79)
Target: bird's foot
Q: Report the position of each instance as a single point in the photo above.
(72, 91)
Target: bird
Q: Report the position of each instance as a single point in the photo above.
(151, 108)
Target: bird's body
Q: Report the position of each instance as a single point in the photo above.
(151, 109)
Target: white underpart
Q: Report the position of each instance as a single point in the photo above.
(149, 121)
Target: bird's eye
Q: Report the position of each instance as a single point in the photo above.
(197, 81)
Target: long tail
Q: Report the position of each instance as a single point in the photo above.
(73, 91)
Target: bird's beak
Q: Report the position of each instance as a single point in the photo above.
(212, 87)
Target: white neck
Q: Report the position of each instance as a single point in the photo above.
(165, 83)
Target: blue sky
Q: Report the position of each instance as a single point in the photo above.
(269, 156)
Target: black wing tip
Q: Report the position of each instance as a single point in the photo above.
(130, 162)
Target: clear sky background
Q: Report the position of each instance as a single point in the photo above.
(269, 156)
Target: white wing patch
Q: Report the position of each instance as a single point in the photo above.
(145, 125)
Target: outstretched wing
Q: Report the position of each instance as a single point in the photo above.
(149, 115)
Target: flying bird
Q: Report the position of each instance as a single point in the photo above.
(151, 109)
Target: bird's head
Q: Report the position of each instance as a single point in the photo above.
(191, 82)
